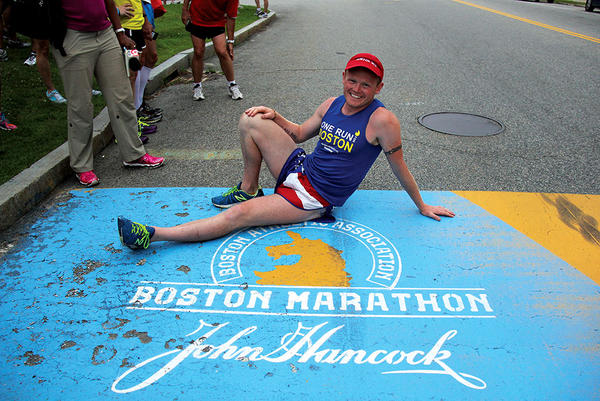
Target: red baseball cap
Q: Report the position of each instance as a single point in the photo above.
(367, 61)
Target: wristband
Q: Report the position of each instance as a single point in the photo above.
(118, 30)
(230, 41)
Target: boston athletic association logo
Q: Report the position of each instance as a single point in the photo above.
(338, 254)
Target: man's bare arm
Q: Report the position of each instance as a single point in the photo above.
(111, 9)
(387, 129)
(298, 132)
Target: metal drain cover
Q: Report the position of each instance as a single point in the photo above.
(462, 124)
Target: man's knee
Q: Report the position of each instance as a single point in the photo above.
(42, 47)
(237, 216)
(221, 53)
(248, 123)
(199, 46)
(199, 53)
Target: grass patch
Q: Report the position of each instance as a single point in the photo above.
(42, 125)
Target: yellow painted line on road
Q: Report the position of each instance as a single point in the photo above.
(200, 154)
(529, 21)
(564, 224)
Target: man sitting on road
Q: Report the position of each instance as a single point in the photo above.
(353, 129)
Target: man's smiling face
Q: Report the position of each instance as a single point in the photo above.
(360, 88)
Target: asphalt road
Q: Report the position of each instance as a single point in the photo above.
(439, 55)
(70, 291)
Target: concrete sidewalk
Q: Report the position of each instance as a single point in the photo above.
(23, 192)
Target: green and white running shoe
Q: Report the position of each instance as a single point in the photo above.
(234, 196)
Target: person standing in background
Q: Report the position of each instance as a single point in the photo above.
(92, 47)
(262, 12)
(144, 112)
(4, 123)
(210, 19)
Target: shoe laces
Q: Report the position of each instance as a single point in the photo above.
(142, 235)
(231, 190)
(142, 123)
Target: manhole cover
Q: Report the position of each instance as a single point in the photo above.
(463, 124)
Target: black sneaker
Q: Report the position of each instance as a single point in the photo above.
(150, 110)
(148, 118)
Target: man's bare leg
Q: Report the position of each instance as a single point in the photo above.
(198, 58)
(266, 210)
(41, 48)
(225, 60)
(262, 139)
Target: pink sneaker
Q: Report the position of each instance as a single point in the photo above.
(88, 178)
(146, 161)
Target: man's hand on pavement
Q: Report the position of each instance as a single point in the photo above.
(436, 211)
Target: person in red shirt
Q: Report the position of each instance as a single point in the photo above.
(212, 19)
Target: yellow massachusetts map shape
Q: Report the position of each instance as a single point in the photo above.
(320, 264)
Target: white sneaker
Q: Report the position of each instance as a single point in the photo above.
(198, 95)
(31, 60)
(234, 92)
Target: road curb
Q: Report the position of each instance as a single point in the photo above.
(24, 191)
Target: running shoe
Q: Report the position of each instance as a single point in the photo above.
(17, 44)
(5, 124)
(234, 92)
(150, 129)
(31, 60)
(146, 161)
(55, 97)
(134, 235)
(143, 138)
(262, 14)
(198, 95)
(150, 119)
(3, 55)
(145, 128)
(150, 110)
(88, 178)
(234, 196)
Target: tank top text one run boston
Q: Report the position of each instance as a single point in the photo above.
(343, 156)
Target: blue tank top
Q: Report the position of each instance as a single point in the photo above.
(343, 156)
